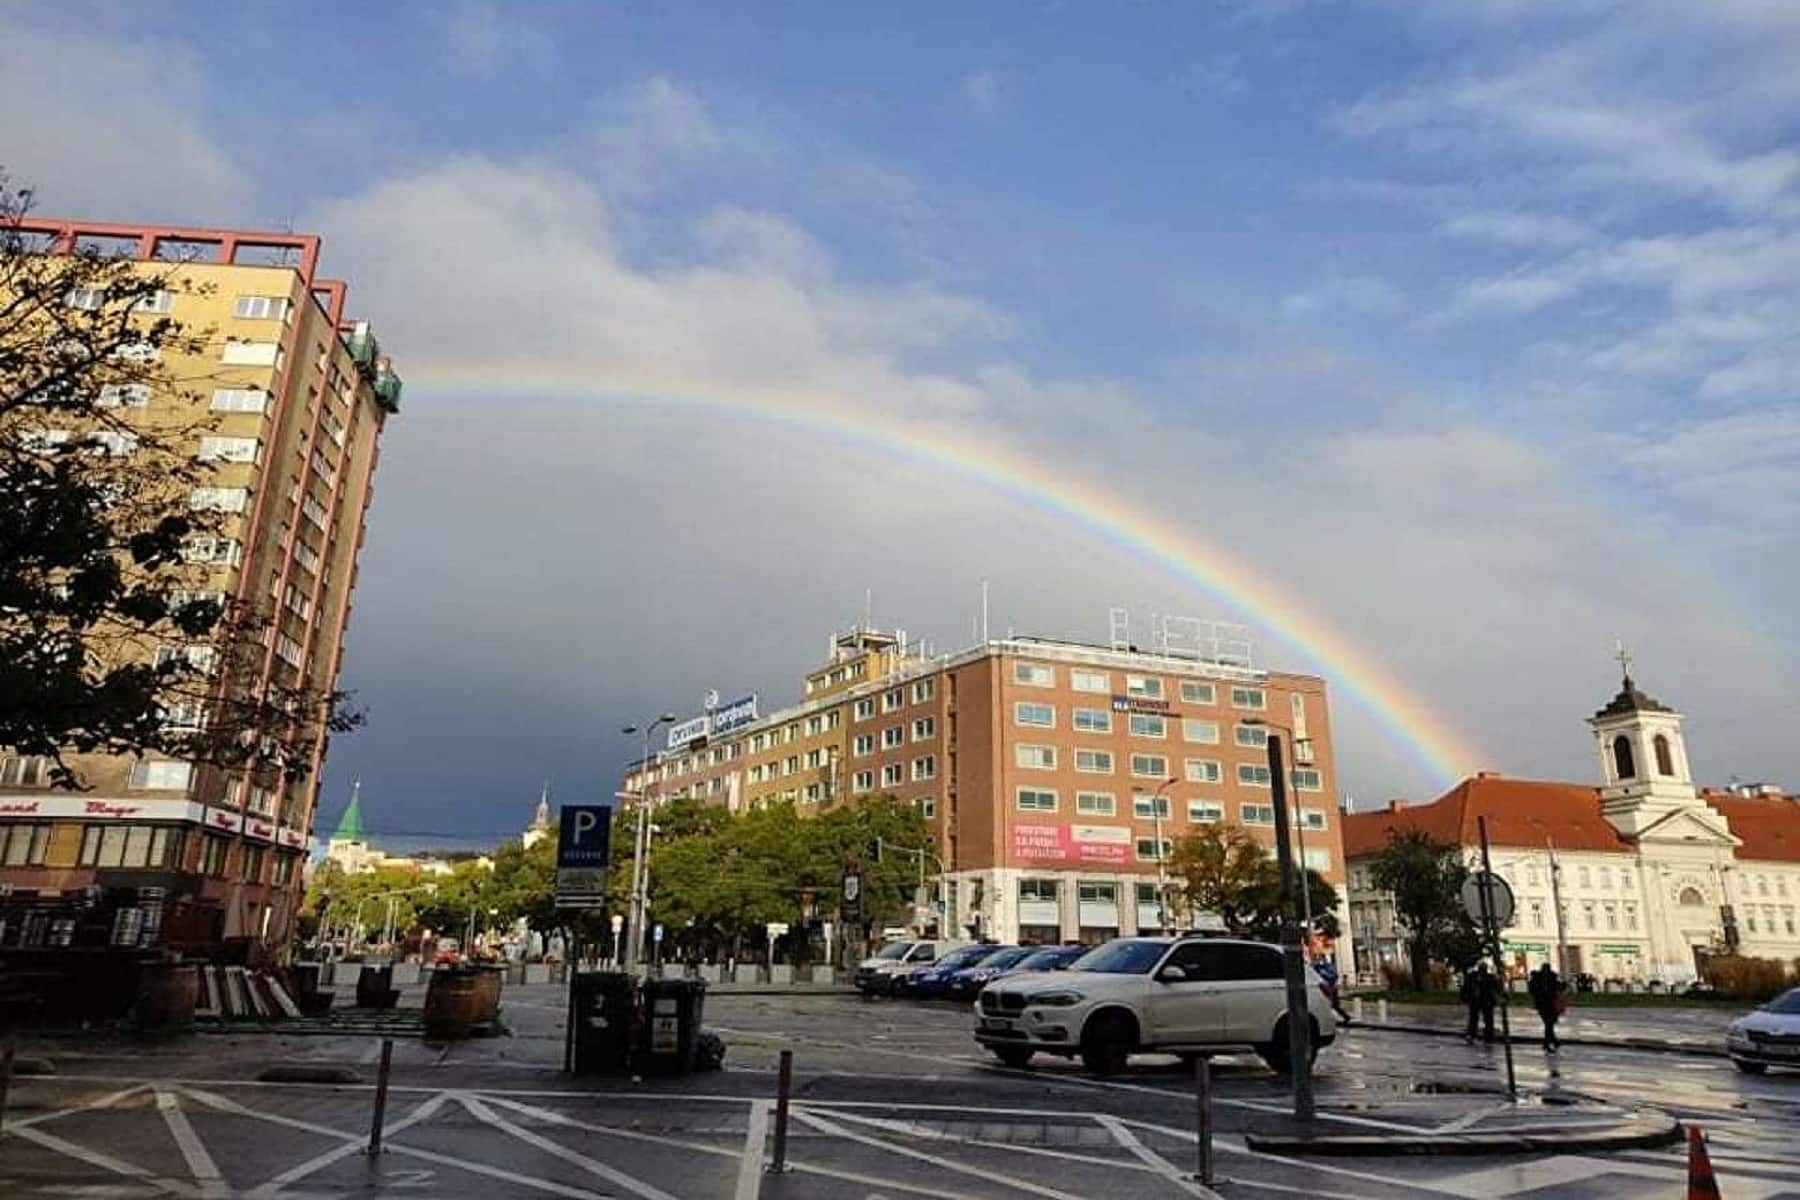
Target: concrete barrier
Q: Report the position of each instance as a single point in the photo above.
(406, 974)
(781, 973)
(710, 972)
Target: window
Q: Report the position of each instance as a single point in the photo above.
(1612, 916)
(862, 744)
(890, 775)
(1587, 878)
(921, 690)
(1148, 725)
(28, 770)
(813, 792)
(1605, 877)
(1310, 818)
(1037, 758)
(250, 400)
(1195, 692)
(1096, 762)
(1251, 775)
(927, 806)
(131, 846)
(1665, 761)
(834, 718)
(1097, 893)
(924, 767)
(161, 776)
(1092, 720)
(862, 781)
(1034, 674)
(1037, 800)
(111, 443)
(244, 353)
(86, 298)
(1090, 681)
(138, 351)
(1205, 812)
(229, 449)
(1037, 891)
(1149, 808)
(864, 709)
(1250, 735)
(815, 757)
(1531, 875)
(1147, 687)
(217, 499)
(1308, 779)
(1034, 714)
(892, 699)
(893, 735)
(260, 308)
(124, 395)
(1204, 732)
(1587, 916)
(924, 728)
(1625, 878)
(1537, 914)
(159, 301)
(1095, 804)
(1150, 849)
(1317, 860)
(790, 764)
(814, 724)
(1150, 766)
(1257, 814)
(23, 845)
(1205, 770)
(1623, 763)
(251, 863)
(284, 868)
(1250, 698)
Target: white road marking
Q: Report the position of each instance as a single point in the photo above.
(106, 1101)
(193, 1151)
(913, 1129)
(750, 1166)
(1157, 1162)
(104, 1161)
(936, 1160)
(612, 1175)
(1236, 1145)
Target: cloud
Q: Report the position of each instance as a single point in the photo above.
(1511, 228)
(1343, 293)
(481, 39)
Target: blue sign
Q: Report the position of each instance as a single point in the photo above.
(656, 934)
(585, 837)
(736, 715)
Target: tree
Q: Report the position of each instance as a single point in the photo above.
(112, 637)
(1425, 877)
(1219, 869)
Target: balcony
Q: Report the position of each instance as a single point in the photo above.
(361, 343)
(387, 387)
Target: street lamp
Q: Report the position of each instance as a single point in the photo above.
(640, 880)
(1303, 757)
(1299, 1017)
(1162, 859)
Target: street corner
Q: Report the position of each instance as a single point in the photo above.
(1463, 1122)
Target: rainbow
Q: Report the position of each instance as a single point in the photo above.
(1413, 725)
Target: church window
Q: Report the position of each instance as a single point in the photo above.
(1622, 760)
(1665, 761)
(1691, 898)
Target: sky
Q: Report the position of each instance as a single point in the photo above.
(1470, 328)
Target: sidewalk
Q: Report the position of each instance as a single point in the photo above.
(1686, 1032)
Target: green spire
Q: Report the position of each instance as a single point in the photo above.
(350, 826)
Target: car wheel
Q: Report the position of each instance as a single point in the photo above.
(1275, 1051)
(1106, 1043)
(1013, 1056)
(1748, 1067)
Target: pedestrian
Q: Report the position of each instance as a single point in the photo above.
(1549, 997)
(1329, 983)
(1480, 993)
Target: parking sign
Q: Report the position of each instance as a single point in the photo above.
(583, 847)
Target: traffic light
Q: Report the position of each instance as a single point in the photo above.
(874, 850)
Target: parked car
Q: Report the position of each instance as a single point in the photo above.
(1170, 994)
(933, 982)
(1051, 958)
(876, 976)
(1768, 1037)
(974, 976)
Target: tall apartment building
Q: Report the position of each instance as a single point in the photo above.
(1039, 765)
(297, 395)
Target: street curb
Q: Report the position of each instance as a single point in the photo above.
(27, 1065)
(1666, 1131)
(1521, 1039)
(714, 989)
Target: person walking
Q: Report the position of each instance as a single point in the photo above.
(1547, 996)
(1330, 982)
(1480, 993)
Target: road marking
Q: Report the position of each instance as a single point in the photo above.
(750, 1166)
(914, 1129)
(353, 1144)
(1236, 1146)
(936, 1160)
(193, 1152)
(104, 1161)
(1157, 1162)
(612, 1175)
(106, 1101)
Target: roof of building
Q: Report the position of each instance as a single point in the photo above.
(1768, 825)
(1630, 699)
(350, 826)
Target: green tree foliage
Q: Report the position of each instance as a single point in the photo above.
(1221, 869)
(99, 543)
(1425, 877)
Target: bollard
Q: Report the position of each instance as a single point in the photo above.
(1356, 1009)
(6, 1070)
(381, 1082)
(1203, 1092)
(784, 1082)
(1381, 1010)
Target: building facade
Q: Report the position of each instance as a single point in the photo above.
(293, 397)
(1043, 768)
(1636, 879)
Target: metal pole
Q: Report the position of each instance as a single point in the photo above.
(635, 915)
(6, 1071)
(1299, 1017)
(1203, 1090)
(1162, 865)
(381, 1086)
(784, 1082)
(1562, 939)
(1489, 927)
(1305, 882)
(569, 1032)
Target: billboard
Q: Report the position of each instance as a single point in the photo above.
(685, 732)
(1061, 842)
(736, 715)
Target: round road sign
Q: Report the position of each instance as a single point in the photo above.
(1499, 898)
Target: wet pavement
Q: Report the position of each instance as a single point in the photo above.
(890, 1099)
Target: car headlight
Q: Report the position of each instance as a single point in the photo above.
(1057, 999)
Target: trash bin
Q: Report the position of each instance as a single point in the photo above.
(670, 1038)
(602, 1002)
(375, 986)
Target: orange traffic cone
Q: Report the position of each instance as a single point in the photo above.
(1702, 1183)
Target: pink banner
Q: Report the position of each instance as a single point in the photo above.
(1106, 845)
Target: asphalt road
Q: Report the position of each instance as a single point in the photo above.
(890, 1100)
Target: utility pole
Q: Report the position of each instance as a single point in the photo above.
(640, 874)
(1299, 1017)
(1556, 904)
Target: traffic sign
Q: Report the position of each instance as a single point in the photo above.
(777, 929)
(1499, 898)
(852, 896)
(618, 923)
(656, 933)
(583, 846)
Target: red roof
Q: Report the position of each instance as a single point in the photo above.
(1533, 812)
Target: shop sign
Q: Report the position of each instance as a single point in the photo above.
(1620, 948)
(95, 808)
(1141, 704)
(1540, 947)
(258, 828)
(225, 822)
(292, 839)
(1064, 843)
(734, 715)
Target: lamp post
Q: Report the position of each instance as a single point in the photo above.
(1162, 859)
(1299, 1018)
(640, 881)
(1303, 757)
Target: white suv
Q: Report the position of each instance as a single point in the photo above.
(1177, 995)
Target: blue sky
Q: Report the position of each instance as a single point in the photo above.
(1474, 324)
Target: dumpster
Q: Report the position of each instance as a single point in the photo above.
(459, 999)
(669, 1038)
(602, 1003)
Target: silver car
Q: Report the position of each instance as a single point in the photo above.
(1768, 1037)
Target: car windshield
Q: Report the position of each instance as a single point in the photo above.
(968, 956)
(1788, 1003)
(1123, 957)
(1044, 960)
(1005, 958)
(895, 950)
